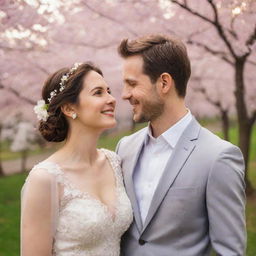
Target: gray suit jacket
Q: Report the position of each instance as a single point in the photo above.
(199, 202)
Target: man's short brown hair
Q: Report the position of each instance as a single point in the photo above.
(160, 54)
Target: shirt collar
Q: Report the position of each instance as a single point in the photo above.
(172, 135)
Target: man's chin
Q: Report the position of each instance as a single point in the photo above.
(136, 118)
(139, 119)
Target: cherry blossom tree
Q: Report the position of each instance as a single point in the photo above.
(23, 141)
(38, 37)
(233, 41)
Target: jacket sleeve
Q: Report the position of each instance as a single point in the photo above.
(225, 198)
(118, 146)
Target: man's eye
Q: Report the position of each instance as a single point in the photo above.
(132, 84)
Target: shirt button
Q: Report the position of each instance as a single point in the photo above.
(142, 242)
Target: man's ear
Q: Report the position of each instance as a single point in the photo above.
(166, 83)
(68, 109)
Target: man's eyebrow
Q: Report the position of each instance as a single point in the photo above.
(130, 80)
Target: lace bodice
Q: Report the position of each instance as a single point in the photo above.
(85, 225)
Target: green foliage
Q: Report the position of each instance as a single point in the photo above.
(233, 131)
(10, 214)
(251, 225)
(7, 154)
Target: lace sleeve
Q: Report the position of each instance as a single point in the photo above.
(39, 210)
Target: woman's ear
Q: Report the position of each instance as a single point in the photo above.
(166, 83)
(68, 110)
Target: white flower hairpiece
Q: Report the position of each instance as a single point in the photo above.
(41, 109)
(63, 80)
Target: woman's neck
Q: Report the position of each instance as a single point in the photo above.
(80, 148)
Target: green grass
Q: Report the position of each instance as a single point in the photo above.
(251, 226)
(10, 213)
(10, 202)
(252, 163)
(7, 154)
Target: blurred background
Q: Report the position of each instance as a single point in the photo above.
(37, 37)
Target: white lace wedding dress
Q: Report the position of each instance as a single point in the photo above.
(84, 225)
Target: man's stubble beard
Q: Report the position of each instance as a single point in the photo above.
(150, 110)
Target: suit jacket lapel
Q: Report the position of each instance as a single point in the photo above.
(128, 168)
(182, 151)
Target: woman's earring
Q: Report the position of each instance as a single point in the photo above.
(74, 116)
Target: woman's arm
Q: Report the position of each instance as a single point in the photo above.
(37, 215)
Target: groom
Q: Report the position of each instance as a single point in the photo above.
(186, 185)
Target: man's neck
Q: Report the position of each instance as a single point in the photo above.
(166, 120)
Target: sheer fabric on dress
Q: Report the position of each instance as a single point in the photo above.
(39, 213)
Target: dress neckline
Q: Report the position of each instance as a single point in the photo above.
(88, 195)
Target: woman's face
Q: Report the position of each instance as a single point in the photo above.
(96, 107)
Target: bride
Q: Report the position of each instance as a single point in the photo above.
(74, 202)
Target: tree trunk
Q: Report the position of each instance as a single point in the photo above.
(24, 155)
(244, 144)
(244, 125)
(225, 124)
(1, 165)
(1, 169)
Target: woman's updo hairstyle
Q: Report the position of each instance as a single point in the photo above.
(55, 128)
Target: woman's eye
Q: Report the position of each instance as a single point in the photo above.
(99, 92)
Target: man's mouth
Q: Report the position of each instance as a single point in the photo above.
(134, 102)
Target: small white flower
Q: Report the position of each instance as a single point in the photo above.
(64, 78)
(76, 65)
(53, 93)
(41, 110)
(63, 81)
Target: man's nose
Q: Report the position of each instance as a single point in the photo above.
(126, 93)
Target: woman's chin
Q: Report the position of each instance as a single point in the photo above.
(112, 124)
(109, 125)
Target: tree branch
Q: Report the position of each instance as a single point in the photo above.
(22, 49)
(93, 46)
(215, 23)
(219, 28)
(203, 91)
(253, 118)
(195, 13)
(17, 94)
(8, 48)
(251, 38)
(36, 65)
(250, 41)
(232, 30)
(251, 62)
(85, 2)
(223, 55)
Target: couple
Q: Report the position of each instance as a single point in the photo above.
(184, 185)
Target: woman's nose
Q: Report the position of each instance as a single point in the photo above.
(111, 99)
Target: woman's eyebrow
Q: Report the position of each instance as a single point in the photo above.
(97, 88)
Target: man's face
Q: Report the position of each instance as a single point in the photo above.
(141, 93)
